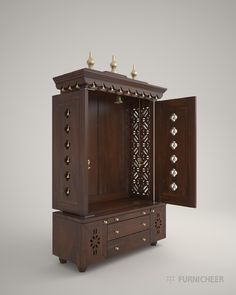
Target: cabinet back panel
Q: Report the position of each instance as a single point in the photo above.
(108, 148)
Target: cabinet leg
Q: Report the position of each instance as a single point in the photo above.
(154, 243)
(81, 269)
(63, 261)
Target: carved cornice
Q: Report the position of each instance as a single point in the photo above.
(107, 82)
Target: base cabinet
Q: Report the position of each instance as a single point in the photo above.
(88, 241)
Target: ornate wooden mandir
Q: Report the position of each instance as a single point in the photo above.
(119, 155)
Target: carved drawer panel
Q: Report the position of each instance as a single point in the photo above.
(130, 242)
(124, 228)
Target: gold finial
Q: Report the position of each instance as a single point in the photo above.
(134, 73)
(90, 61)
(113, 64)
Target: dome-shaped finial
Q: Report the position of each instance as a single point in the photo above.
(134, 73)
(113, 64)
(90, 61)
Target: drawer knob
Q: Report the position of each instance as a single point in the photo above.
(144, 239)
(117, 219)
(105, 221)
(153, 211)
(144, 212)
(117, 231)
(144, 224)
(117, 248)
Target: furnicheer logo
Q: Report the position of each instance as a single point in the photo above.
(195, 279)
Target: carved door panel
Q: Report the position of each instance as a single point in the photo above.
(176, 151)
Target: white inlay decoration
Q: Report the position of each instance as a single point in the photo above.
(173, 117)
(173, 145)
(173, 172)
(173, 186)
(173, 159)
(173, 131)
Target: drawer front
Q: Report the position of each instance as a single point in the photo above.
(127, 243)
(128, 216)
(124, 228)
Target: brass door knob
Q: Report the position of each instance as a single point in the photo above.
(117, 248)
(144, 239)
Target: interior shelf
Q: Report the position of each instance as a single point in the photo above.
(116, 206)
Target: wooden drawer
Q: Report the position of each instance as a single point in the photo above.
(127, 243)
(124, 228)
(128, 216)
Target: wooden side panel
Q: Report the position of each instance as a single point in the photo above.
(70, 167)
(158, 223)
(93, 145)
(66, 238)
(95, 241)
(80, 243)
(176, 151)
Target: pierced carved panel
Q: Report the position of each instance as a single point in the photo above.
(158, 224)
(141, 151)
(95, 242)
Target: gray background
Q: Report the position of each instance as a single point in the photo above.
(186, 46)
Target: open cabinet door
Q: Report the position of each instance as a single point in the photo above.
(175, 151)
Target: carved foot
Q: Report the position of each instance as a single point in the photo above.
(81, 269)
(154, 243)
(63, 261)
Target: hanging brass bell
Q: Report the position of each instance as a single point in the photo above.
(118, 100)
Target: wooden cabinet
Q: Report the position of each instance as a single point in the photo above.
(119, 155)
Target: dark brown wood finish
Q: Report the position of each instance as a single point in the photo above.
(127, 227)
(112, 146)
(107, 81)
(93, 147)
(185, 152)
(106, 164)
(157, 223)
(70, 177)
(130, 242)
(88, 241)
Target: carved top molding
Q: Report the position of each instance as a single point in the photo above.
(109, 82)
